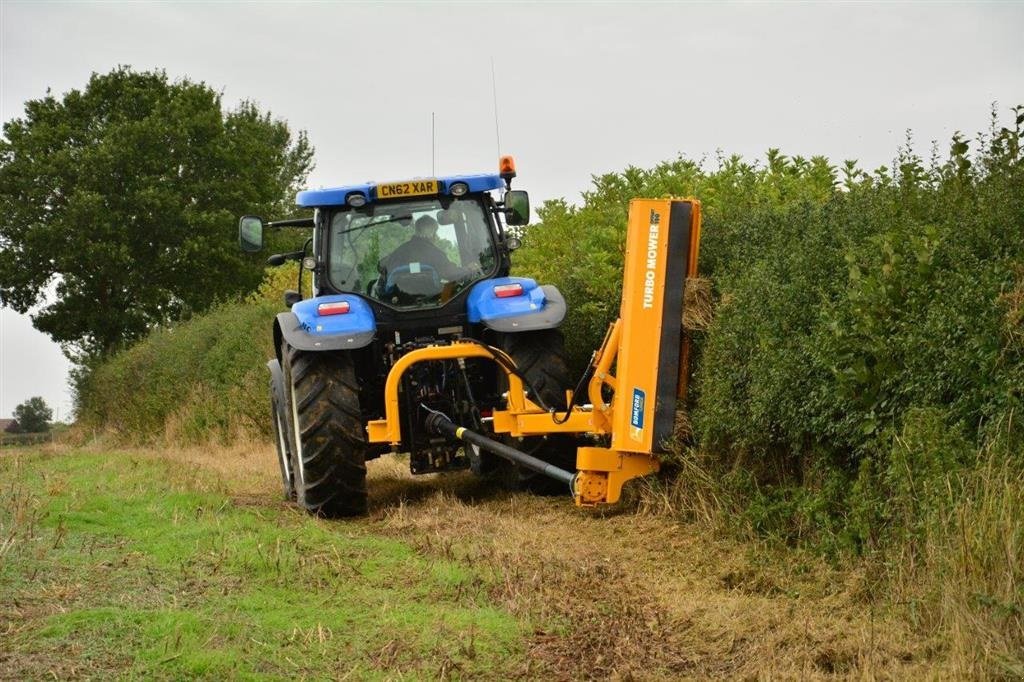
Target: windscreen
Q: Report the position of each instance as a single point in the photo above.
(411, 254)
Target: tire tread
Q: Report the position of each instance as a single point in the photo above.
(330, 426)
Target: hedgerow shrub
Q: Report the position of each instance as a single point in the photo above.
(581, 248)
(198, 381)
(854, 309)
(883, 301)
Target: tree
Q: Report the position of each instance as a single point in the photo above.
(33, 416)
(126, 196)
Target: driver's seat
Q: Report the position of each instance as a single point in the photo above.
(413, 279)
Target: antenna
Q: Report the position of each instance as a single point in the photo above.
(494, 92)
(433, 144)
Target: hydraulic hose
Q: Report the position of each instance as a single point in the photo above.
(509, 366)
(439, 423)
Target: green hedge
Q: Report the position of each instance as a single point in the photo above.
(201, 380)
(855, 310)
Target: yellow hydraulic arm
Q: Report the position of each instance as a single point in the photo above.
(642, 363)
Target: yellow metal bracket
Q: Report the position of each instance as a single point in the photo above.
(602, 473)
(389, 430)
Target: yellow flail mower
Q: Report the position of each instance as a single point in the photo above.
(642, 366)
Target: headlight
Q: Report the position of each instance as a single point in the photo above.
(355, 200)
(459, 188)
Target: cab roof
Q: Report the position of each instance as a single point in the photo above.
(338, 196)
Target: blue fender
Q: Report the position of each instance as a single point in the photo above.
(305, 329)
(538, 307)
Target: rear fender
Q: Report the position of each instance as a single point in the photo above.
(538, 307)
(305, 329)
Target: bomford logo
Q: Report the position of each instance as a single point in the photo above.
(636, 416)
(653, 234)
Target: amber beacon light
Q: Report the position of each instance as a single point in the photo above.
(507, 169)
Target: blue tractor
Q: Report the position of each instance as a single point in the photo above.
(398, 267)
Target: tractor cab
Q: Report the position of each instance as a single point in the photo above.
(411, 253)
(405, 246)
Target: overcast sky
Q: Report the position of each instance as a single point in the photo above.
(582, 89)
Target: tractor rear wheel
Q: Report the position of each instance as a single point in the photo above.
(541, 358)
(328, 445)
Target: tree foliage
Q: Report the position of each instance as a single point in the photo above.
(126, 195)
(33, 416)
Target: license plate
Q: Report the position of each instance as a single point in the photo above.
(412, 188)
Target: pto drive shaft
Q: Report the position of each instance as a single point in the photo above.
(440, 424)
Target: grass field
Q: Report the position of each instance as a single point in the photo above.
(171, 564)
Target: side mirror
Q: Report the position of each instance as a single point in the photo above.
(517, 207)
(250, 233)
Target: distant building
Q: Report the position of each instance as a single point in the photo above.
(8, 425)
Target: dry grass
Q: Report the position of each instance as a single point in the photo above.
(684, 490)
(682, 429)
(244, 460)
(966, 581)
(1013, 301)
(624, 594)
(627, 595)
(698, 305)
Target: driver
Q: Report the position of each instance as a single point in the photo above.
(421, 249)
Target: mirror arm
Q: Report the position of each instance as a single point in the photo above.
(302, 254)
(282, 258)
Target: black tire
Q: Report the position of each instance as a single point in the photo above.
(541, 358)
(282, 442)
(328, 441)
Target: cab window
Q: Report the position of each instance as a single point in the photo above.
(415, 253)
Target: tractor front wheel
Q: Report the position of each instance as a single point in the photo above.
(328, 441)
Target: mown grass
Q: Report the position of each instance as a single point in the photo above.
(183, 563)
(119, 564)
